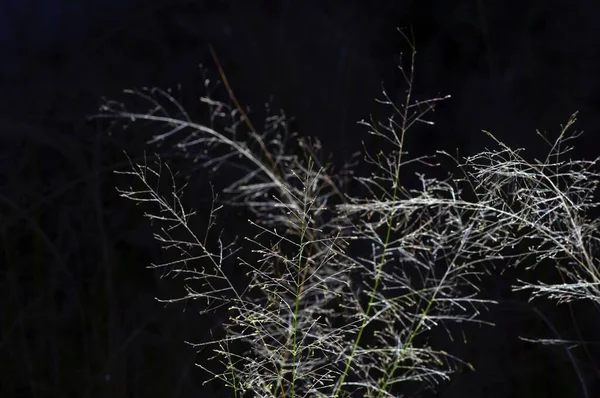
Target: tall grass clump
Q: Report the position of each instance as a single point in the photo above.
(315, 317)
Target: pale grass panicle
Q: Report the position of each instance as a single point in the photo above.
(314, 318)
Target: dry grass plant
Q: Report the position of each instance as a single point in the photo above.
(314, 320)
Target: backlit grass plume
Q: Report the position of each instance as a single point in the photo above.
(315, 317)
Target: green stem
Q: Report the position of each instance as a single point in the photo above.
(378, 274)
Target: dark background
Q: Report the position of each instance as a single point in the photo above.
(79, 315)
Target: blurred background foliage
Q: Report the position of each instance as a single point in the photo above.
(79, 315)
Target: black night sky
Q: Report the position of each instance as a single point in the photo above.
(79, 315)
